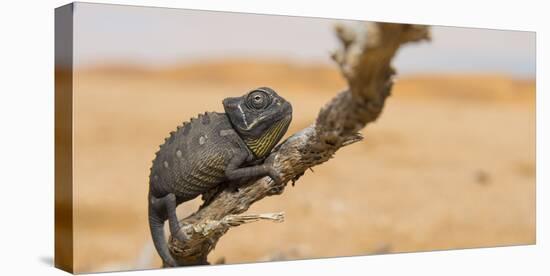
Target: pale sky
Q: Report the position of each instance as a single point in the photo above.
(162, 36)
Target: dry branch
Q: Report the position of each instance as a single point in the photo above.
(364, 59)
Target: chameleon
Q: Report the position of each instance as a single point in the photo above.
(210, 150)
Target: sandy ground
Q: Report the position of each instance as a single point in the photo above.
(450, 164)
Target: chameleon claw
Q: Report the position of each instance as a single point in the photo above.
(275, 176)
(273, 173)
(180, 236)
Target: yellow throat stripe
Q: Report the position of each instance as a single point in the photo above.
(261, 146)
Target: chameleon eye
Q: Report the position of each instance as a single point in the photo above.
(257, 100)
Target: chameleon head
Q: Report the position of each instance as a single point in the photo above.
(261, 117)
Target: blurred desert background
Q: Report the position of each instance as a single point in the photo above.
(449, 164)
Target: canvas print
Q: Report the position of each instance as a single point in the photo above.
(188, 137)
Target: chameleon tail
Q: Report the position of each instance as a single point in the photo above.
(156, 225)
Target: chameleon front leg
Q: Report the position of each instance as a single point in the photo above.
(234, 172)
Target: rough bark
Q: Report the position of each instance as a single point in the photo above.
(364, 59)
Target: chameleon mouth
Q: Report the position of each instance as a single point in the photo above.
(275, 117)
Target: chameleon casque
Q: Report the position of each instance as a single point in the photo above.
(212, 150)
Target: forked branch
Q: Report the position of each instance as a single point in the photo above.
(364, 59)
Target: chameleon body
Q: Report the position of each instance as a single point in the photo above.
(210, 150)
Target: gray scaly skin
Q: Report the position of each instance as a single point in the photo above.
(211, 150)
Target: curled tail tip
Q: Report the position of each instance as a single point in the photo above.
(159, 240)
(162, 247)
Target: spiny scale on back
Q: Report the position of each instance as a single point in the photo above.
(205, 119)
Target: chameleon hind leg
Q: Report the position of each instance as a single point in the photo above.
(167, 206)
